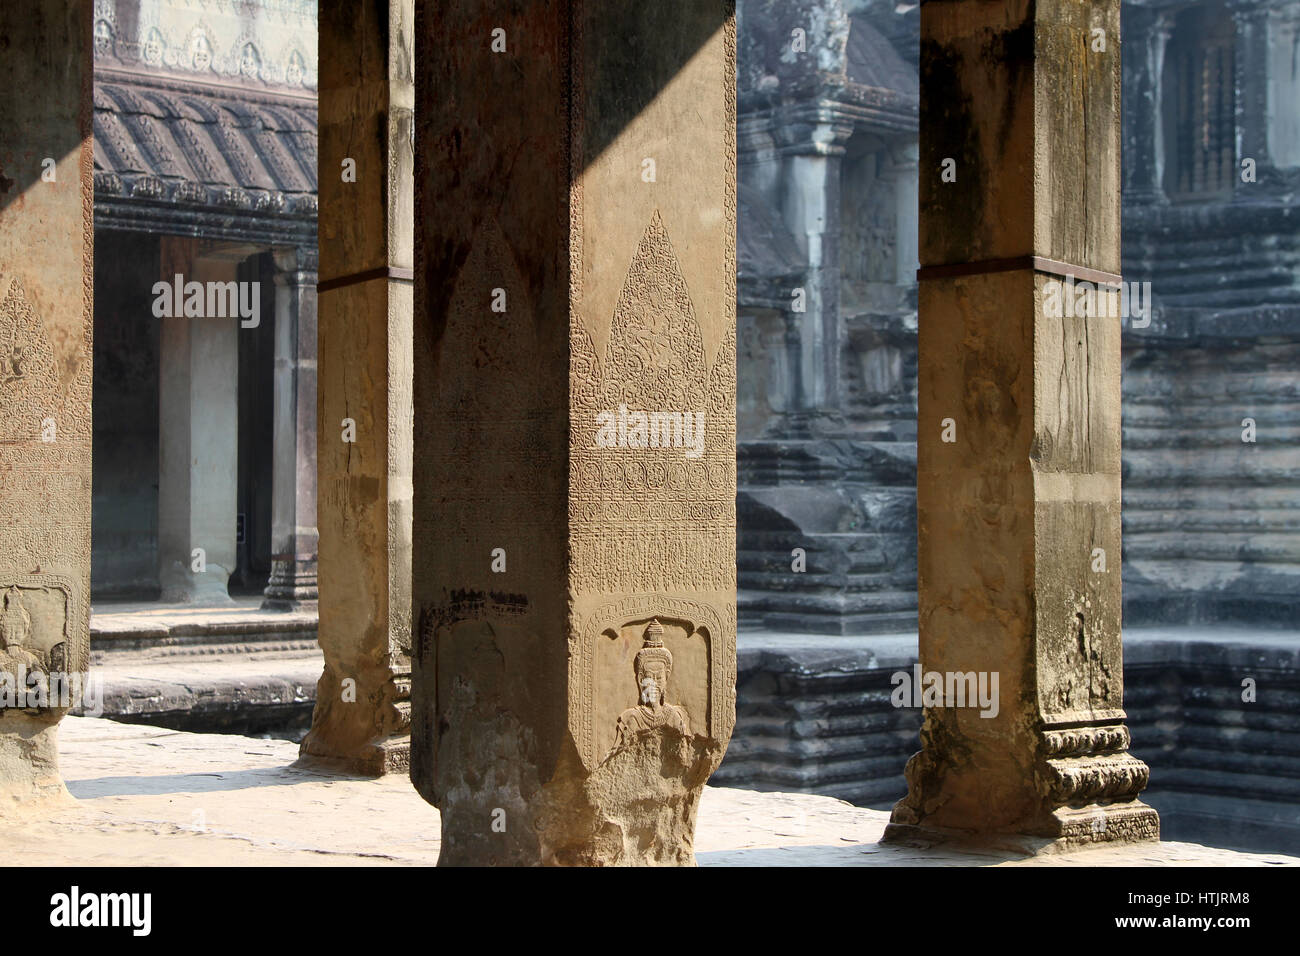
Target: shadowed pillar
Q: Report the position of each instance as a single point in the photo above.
(1018, 461)
(46, 248)
(574, 470)
(293, 501)
(362, 714)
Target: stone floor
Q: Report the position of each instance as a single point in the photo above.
(128, 625)
(153, 797)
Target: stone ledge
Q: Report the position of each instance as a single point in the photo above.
(158, 629)
(251, 691)
(151, 797)
(235, 667)
(814, 714)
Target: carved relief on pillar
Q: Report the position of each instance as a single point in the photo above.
(491, 323)
(652, 509)
(44, 478)
(37, 636)
(652, 469)
(646, 662)
(30, 392)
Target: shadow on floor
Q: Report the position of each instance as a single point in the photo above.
(202, 782)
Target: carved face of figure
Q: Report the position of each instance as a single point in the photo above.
(200, 52)
(153, 48)
(103, 36)
(248, 61)
(652, 676)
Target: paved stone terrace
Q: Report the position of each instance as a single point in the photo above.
(152, 797)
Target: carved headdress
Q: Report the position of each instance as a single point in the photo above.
(652, 648)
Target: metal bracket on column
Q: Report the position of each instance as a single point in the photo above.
(380, 272)
(1016, 264)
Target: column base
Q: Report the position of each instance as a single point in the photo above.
(292, 585)
(1060, 831)
(364, 729)
(374, 760)
(29, 762)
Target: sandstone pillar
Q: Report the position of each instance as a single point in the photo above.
(362, 714)
(1019, 514)
(46, 249)
(293, 476)
(1264, 68)
(198, 432)
(1144, 88)
(813, 156)
(574, 671)
(906, 210)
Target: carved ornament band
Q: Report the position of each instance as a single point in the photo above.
(380, 272)
(1017, 264)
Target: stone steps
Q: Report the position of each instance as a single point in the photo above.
(812, 718)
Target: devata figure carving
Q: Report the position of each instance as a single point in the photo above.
(654, 665)
(15, 626)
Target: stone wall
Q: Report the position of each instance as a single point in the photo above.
(265, 41)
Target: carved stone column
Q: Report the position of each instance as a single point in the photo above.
(46, 248)
(362, 714)
(1254, 22)
(1144, 89)
(293, 476)
(1019, 512)
(574, 680)
(812, 150)
(907, 209)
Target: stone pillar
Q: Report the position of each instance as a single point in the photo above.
(293, 496)
(1255, 113)
(1281, 80)
(198, 432)
(362, 715)
(574, 679)
(46, 248)
(1144, 88)
(906, 212)
(1019, 514)
(813, 150)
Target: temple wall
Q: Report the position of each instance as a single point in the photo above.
(273, 41)
(1210, 530)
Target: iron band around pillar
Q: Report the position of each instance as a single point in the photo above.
(1017, 264)
(380, 272)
